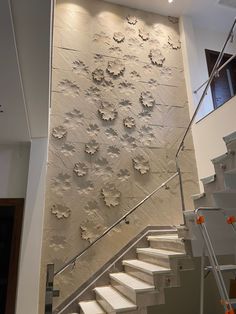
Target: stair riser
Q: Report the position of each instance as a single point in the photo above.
(176, 246)
(205, 202)
(230, 181)
(225, 200)
(106, 306)
(159, 281)
(141, 298)
(228, 163)
(157, 260)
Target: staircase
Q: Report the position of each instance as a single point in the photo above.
(143, 280)
(220, 188)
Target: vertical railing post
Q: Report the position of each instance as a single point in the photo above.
(181, 187)
(49, 289)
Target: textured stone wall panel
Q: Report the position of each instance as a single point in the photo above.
(119, 109)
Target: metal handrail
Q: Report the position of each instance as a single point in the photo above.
(217, 71)
(123, 218)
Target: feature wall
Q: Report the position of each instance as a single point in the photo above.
(119, 109)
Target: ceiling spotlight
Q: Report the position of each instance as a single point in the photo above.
(170, 1)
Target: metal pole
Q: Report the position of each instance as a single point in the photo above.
(181, 188)
(202, 281)
(49, 289)
(218, 70)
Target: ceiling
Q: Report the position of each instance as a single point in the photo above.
(24, 63)
(205, 13)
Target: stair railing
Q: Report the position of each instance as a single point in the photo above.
(225, 300)
(51, 274)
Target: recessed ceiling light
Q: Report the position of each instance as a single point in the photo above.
(170, 1)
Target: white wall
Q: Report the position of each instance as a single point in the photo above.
(30, 257)
(14, 162)
(207, 133)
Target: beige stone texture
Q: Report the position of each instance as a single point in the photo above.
(102, 75)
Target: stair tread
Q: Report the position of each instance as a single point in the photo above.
(229, 138)
(198, 196)
(163, 237)
(146, 267)
(159, 252)
(224, 267)
(116, 300)
(209, 179)
(132, 282)
(91, 307)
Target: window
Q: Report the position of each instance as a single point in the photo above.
(223, 87)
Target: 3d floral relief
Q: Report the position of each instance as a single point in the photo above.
(92, 147)
(129, 122)
(147, 99)
(102, 167)
(58, 242)
(80, 169)
(98, 75)
(84, 186)
(135, 75)
(92, 228)
(107, 111)
(60, 211)
(111, 195)
(68, 87)
(126, 87)
(68, 150)
(115, 68)
(73, 119)
(93, 129)
(125, 104)
(156, 57)
(146, 135)
(128, 142)
(79, 67)
(113, 151)
(123, 174)
(59, 132)
(174, 43)
(141, 164)
(119, 37)
(61, 183)
(143, 34)
(111, 133)
(132, 19)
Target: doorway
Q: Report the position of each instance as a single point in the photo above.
(11, 218)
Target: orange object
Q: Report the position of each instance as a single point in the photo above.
(230, 311)
(200, 220)
(231, 220)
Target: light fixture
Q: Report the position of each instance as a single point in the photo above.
(170, 1)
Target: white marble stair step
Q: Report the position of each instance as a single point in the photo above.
(169, 242)
(91, 307)
(113, 301)
(158, 256)
(145, 267)
(131, 282)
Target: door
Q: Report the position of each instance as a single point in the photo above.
(11, 216)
